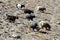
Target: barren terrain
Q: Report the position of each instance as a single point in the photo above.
(19, 30)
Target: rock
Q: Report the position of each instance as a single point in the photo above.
(15, 35)
(1, 2)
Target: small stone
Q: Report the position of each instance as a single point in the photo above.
(15, 35)
(1, 2)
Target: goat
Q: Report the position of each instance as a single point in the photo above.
(34, 25)
(11, 18)
(41, 9)
(44, 24)
(30, 16)
(27, 11)
(20, 5)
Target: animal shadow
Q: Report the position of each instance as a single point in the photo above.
(43, 32)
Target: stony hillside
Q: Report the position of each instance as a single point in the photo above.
(19, 29)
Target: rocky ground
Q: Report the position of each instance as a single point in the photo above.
(19, 30)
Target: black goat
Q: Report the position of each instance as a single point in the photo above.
(11, 18)
(30, 16)
(42, 10)
(28, 11)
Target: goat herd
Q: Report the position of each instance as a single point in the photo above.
(29, 16)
